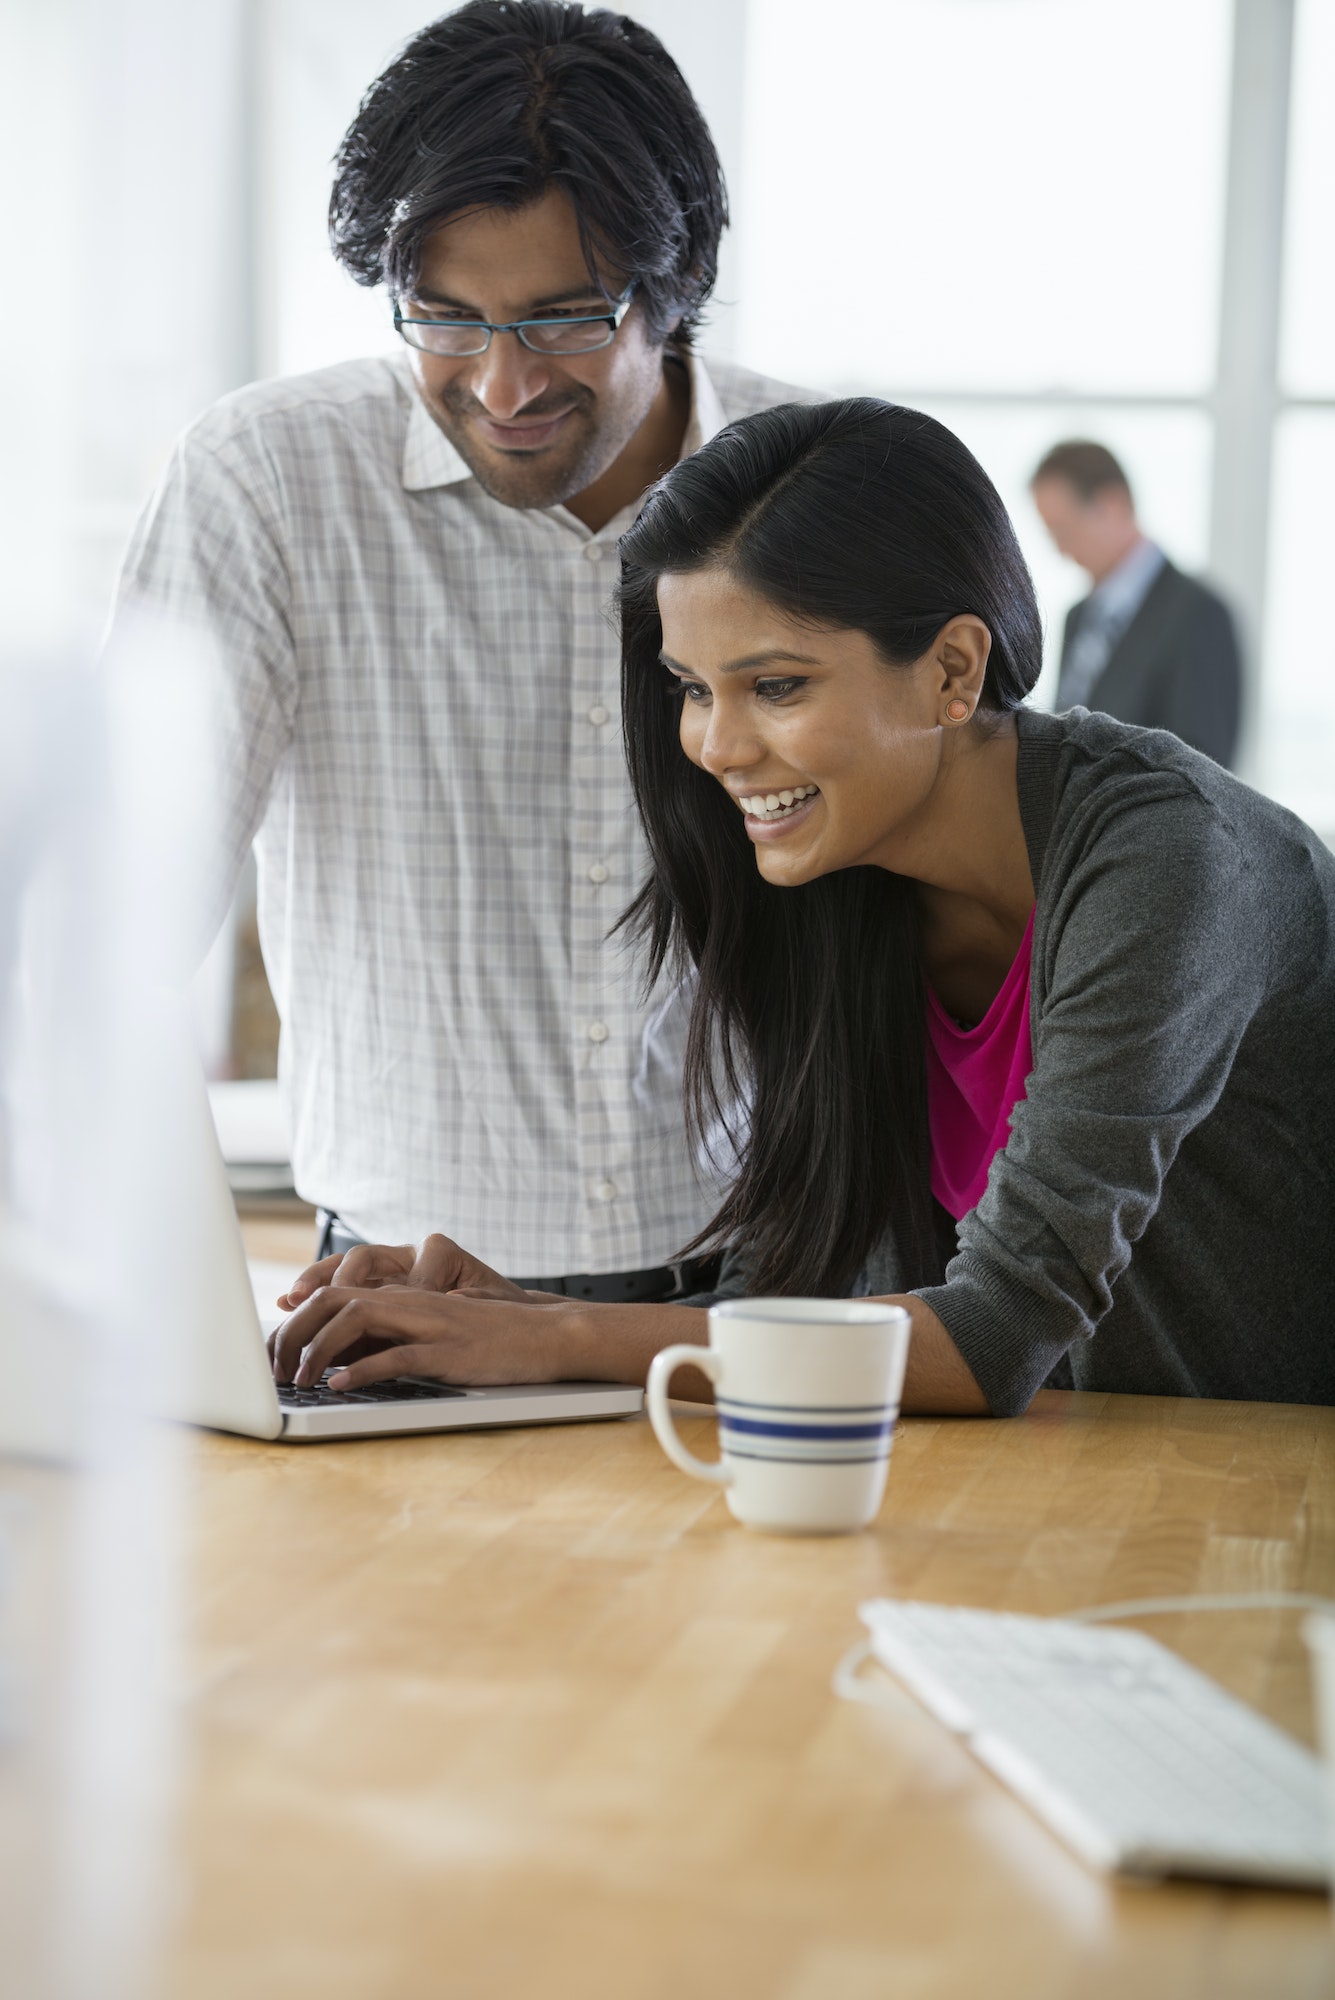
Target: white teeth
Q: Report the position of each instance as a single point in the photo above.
(774, 805)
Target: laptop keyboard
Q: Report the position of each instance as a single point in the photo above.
(399, 1389)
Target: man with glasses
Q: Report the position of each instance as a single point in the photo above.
(406, 567)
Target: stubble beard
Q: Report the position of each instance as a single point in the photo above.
(544, 478)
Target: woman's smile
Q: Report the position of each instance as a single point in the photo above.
(771, 815)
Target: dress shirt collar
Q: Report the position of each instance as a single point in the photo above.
(1124, 589)
(706, 419)
(429, 459)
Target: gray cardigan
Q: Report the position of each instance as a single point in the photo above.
(1164, 1210)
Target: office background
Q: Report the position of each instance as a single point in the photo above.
(1035, 218)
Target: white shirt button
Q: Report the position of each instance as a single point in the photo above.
(598, 715)
(598, 873)
(593, 551)
(598, 1031)
(604, 1191)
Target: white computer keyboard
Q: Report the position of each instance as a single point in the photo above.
(1132, 1758)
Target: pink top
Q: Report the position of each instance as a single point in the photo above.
(975, 1079)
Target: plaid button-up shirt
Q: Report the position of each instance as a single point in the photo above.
(423, 740)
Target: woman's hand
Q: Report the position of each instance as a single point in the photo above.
(379, 1300)
(458, 1337)
(387, 1310)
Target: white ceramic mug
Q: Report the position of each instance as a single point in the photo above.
(807, 1393)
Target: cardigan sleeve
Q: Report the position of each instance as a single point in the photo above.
(1153, 964)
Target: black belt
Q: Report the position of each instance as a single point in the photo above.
(666, 1281)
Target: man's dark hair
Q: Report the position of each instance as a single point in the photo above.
(1088, 467)
(807, 1032)
(493, 105)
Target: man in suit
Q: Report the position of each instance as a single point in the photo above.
(1148, 645)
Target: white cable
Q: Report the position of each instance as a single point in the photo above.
(1255, 1600)
(847, 1682)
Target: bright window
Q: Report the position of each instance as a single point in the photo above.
(1307, 364)
(1005, 194)
(1298, 690)
(1013, 213)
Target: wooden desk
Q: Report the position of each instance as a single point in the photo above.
(525, 1713)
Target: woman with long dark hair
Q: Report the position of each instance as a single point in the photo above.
(1021, 1020)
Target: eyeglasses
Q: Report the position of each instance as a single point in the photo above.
(555, 333)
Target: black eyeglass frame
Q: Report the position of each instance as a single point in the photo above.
(612, 320)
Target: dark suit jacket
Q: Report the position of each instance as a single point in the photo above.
(1175, 667)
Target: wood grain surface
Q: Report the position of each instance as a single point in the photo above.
(525, 1712)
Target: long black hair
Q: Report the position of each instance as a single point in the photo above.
(806, 1042)
(496, 103)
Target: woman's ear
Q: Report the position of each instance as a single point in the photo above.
(961, 651)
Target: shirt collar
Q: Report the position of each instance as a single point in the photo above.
(707, 418)
(1124, 589)
(429, 459)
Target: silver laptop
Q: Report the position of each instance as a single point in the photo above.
(228, 1385)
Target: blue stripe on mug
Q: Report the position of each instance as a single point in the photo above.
(796, 1458)
(805, 1409)
(825, 1433)
(807, 1451)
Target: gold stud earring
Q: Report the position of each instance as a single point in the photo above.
(958, 710)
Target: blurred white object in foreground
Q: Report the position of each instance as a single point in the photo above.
(252, 1129)
(105, 852)
(1319, 1631)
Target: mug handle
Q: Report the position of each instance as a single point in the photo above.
(661, 1370)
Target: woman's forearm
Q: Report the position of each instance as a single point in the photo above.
(617, 1344)
(432, 1309)
(938, 1381)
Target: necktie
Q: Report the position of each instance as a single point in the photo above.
(1089, 653)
